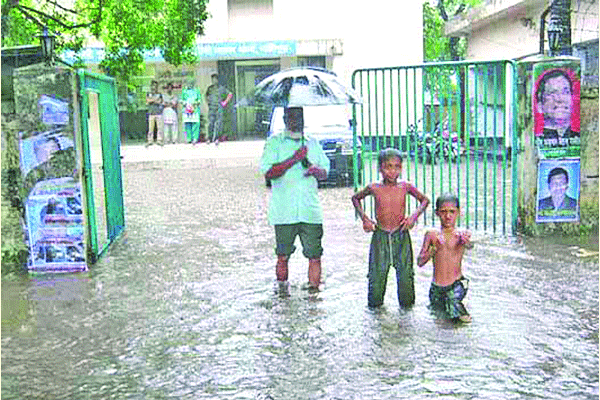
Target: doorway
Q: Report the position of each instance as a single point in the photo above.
(253, 122)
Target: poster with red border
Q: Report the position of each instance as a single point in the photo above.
(556, 109)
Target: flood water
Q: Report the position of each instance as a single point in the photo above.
(185, 306)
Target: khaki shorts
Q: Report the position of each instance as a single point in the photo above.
(310, 237)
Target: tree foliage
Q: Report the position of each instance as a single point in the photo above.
(437, 47)
(127, 28)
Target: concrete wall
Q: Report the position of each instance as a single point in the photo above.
(29, 83)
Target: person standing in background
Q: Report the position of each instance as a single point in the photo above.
(217, 98)
(191, 99)
(170, 115)
(154, 101)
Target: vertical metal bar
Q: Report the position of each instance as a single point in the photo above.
(418, 161)
(376, 110)
(407, 100)
(391, 109)
(371, 144)
(502, 72)
(515, 143)
(438, 140)
(386, 142)
(485, 160)
(429, 130)
(495, 127)
(402, 133)
(467, 142)
(459, 125)
(365, 153)
(449, 138)
(476, 145)
(355, 161)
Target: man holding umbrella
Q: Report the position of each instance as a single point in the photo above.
(294, 163)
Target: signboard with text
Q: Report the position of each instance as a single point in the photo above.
(204, 51)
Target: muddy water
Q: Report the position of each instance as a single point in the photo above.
(185, 306)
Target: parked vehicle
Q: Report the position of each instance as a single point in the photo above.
(433, 146)
(331, 126)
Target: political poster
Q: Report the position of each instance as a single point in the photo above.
(558, 191)
(556, 109)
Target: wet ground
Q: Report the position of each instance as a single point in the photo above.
(185, 306)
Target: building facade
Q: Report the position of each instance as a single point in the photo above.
(247, 40)
(513, 29)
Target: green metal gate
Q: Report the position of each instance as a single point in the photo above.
(101, 153)
(454, 124)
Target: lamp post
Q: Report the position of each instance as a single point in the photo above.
(47, 43)
(554, 32)
(559, 28)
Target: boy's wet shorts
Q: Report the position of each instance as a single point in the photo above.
(310, 237)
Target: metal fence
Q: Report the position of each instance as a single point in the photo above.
(454, 124)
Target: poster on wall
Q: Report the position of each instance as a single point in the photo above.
(556, 109)
(54, 111)
(37, 148)
(54, 217)
(558, 191)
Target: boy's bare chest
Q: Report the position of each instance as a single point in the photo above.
(390, 195)
(448, 242)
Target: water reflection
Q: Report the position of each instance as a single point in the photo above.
(185, 306)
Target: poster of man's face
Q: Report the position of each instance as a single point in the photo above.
(558, 191)
(556, 110)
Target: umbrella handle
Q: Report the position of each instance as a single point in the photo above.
(305, 162)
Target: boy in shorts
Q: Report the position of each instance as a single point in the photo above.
(447, 246)
(390, 243)
(294, 162)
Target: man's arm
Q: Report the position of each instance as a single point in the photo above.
(227, 99)
(317, 172)
(318, 162)
(281, 168)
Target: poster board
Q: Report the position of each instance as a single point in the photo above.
(558, 191)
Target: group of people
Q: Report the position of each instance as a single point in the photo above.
(294, 162)
(163, 118)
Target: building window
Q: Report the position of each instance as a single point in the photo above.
(312, 61)
(588, 53)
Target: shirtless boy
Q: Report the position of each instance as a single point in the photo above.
(390, 243)
(447, 246)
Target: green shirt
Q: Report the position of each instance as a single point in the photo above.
(294, 197)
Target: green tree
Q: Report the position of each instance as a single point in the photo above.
(436, 45)
(445, 83)
(127, 28)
